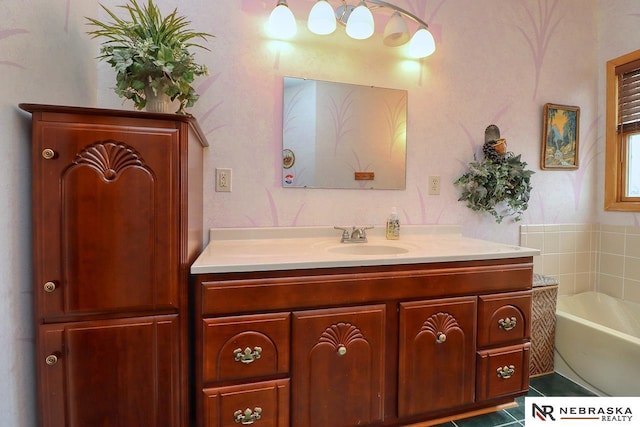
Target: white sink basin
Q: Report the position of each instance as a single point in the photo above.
(367, 249)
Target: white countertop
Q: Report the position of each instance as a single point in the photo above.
(288, 248)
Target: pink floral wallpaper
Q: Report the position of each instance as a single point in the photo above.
(497, 62)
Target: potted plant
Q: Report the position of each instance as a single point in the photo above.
(499, 184)
(150, 54)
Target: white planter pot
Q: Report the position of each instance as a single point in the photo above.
(157, 103)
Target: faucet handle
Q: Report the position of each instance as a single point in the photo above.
(359, 234)
(363, 229)
(345, 232)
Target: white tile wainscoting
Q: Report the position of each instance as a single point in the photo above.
(585, 257)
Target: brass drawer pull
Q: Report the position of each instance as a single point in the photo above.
(247, 356)
(507, 324)
(506, 371)
(441, 338)
(51, 359)
(247, 416)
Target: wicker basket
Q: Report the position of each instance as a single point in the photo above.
(543, 324)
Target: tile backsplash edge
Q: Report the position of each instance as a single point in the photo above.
(587, 257)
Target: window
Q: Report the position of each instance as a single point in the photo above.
(622, 167)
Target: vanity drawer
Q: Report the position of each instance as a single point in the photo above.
(240, 347)
(266, 404)
(502, 371)
(504, 318)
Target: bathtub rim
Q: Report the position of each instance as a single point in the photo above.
(593, 324)
(622, 335)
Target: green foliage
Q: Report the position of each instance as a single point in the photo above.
(150, 50)
(499, 186)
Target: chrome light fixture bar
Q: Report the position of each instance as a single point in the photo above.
(359, 23)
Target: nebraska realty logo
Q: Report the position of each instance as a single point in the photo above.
(582, 411)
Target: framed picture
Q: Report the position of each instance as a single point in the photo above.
(560, 137)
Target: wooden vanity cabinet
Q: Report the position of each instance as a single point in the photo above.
(117, 222)
(357, 346)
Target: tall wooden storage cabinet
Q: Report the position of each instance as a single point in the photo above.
(117, 221)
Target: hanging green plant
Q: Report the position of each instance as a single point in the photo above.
(499, 184)
(150, 52)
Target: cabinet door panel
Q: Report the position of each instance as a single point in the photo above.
(338, 363)
(437, 355)
(105, 211)
(110, 373)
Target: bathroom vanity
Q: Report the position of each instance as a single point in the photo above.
(277, 326)
(294, 328)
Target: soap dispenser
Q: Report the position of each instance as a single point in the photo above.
(393, 225)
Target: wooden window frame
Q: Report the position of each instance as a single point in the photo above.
(615, 148)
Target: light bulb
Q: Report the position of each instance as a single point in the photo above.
(396, 32)
(282, 23)
(322, 19)
(422, 43)
(360, 23)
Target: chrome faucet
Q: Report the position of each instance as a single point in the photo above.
(353, 234)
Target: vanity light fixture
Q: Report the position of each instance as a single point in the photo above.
(359, 23)
(322, 19)
(282, 23)
(422, 43)
(396, 32)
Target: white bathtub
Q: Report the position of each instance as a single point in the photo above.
(598, 343)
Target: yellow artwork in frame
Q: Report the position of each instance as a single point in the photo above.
(560, 137)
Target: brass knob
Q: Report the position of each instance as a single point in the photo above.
(441, 338)
(342, 350)
(48, 153)
(49, 287)
(51, 359)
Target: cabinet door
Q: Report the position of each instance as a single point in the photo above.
(437, 355)
(110, 373)
(105, 218)
(338, 363)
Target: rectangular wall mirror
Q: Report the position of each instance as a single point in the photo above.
(338, 135)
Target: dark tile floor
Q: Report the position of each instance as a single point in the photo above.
(546, 385)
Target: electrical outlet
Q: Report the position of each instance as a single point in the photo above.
(223, 179)
(434, 185)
